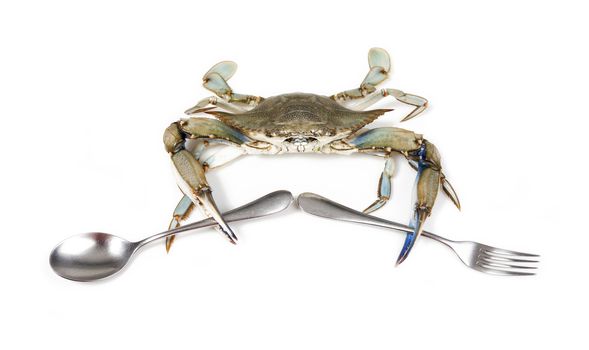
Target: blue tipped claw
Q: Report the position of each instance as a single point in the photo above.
(417, 225)
(427, 181)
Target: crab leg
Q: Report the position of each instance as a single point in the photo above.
(209, 157)
(384, 186)
(380, 65)
(418, 102)
(190, 172)
(422, 154)
(380, 68)
(214, 101)
(181, 213)
(185, 205)
(215, 80)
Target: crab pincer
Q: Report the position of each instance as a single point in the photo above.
(427, 184)
(192, 182)
(190, 172)
(424, 157)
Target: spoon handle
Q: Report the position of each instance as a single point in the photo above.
(269, 204)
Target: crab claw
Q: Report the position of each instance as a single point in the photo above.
(427, 186)
(419, 217)
(210, 207)
(450, 192)
(192, 182)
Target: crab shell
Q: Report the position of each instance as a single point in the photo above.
(298, 119)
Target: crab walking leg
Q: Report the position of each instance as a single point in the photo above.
(209, 157)
(190, 172)
(422, 153)
(380, 69)
(215, 80)
(384, 186)
(418, 102)
(380, 65)
(181, 213)
(214, 101)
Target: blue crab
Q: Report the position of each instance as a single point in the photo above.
(240, 124)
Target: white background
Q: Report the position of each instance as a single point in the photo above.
(86, 91)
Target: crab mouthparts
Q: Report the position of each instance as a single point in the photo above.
(301, 143)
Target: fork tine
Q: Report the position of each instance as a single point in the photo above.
(500, 251)
(503, 258)
(496, 271)
(492, 263)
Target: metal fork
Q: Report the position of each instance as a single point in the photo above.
(478, 256)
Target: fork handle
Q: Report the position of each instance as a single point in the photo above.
(317, 205)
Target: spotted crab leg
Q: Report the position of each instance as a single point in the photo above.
(190, 172)
(380, 68)
(424, 156)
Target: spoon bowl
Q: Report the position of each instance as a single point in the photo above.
(91, 256)
(95, 255)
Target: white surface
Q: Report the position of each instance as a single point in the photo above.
(87, 91)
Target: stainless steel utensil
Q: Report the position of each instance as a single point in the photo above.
(481, 257)
(95, 255)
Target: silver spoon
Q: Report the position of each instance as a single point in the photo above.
(94, 255)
